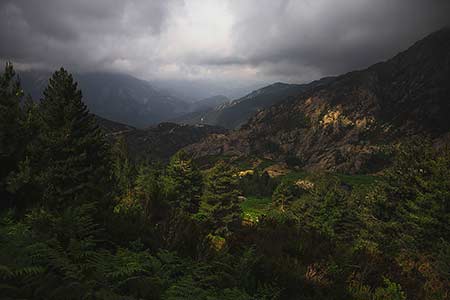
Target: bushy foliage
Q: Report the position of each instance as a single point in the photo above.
(391, 291)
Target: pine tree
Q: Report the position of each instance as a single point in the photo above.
(416, 190)
(122, 166)
(184, 182)
(149, 192)
(221, 195)
(74, 160)
(284, 194)
(10, 126)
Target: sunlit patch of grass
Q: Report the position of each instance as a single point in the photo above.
(253, 207)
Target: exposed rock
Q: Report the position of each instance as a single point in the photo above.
(305, 185)
(242, 198)
(245, 173)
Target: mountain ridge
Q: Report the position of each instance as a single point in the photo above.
(341, 125)
(119, 97)
(235, 113)
(156, 143)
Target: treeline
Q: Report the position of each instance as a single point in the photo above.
(80, 220)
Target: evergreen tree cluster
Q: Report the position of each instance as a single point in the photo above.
(81, 220)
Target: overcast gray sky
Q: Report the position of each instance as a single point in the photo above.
(242, 41)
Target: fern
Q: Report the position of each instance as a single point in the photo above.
(5, 272)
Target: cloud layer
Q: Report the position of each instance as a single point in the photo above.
(230, 42)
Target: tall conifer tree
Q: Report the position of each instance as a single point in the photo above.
(184, 182)
(221, 195)
(10, 125)
(74, 163)
(122, 166)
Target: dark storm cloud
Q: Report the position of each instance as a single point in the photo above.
(259, 40)
(330, 36)
(343, 35)
(287, 37)
(76, 33)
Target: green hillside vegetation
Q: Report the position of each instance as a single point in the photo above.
(259, 194)
(80, 220)
(255, 207)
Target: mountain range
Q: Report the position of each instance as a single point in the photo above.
(343, 124)
(123, 98)
(337, 123)
(234, 114)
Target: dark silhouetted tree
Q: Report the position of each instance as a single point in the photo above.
(11, 133)
(74, 161)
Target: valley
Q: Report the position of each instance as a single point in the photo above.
(224, 150)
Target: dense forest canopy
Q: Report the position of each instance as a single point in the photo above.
(81, 220)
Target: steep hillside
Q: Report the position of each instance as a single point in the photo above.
(157, 143)
(234, 114)
(341, 125)
(200, 108)
(209, 103)
(113, 128)
(117, 97)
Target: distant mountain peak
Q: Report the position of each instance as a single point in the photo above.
(116, 96)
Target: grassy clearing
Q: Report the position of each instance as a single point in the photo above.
(253, 207)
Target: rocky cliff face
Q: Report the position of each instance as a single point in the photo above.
(340, 125)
